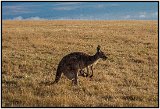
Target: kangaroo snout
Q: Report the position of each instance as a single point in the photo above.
(104, 58)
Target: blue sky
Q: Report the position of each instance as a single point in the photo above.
(80, 10)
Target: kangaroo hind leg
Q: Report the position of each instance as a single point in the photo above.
(75, 79)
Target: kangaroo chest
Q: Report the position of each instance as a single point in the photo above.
(83, 65)
(94, 63)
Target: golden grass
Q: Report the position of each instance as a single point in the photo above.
(31, 51)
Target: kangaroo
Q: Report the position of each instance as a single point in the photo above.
(74, 62)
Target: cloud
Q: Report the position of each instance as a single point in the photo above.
(127, 17)
(18, 18)
(35, 18)
(142, 15)
(19, 9)
(67, 3)
(13, 10)
(114, 5)
(30, 18)
(100, 6)
(154, 14)
(66, 8)
(73, 6)
(104, 5)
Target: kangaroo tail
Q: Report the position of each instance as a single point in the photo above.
(58, 74)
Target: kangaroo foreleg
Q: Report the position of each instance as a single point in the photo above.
(91, 72)
(87, 72)
(83, 73)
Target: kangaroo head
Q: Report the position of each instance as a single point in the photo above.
(100, 53)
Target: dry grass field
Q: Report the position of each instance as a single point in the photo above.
(31, 51)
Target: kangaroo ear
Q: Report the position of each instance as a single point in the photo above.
(98, 48)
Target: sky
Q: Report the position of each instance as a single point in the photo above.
(80, 10)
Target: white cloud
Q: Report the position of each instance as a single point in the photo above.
(114, 5)
(18, 18)
(100, 6)
(67, 3)
(13, 10)
(142, 15)
(127, 17)
(30, 18)
(65, 8)
(154, 14)
(72, 6)
(68, 7)
(35, 18)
